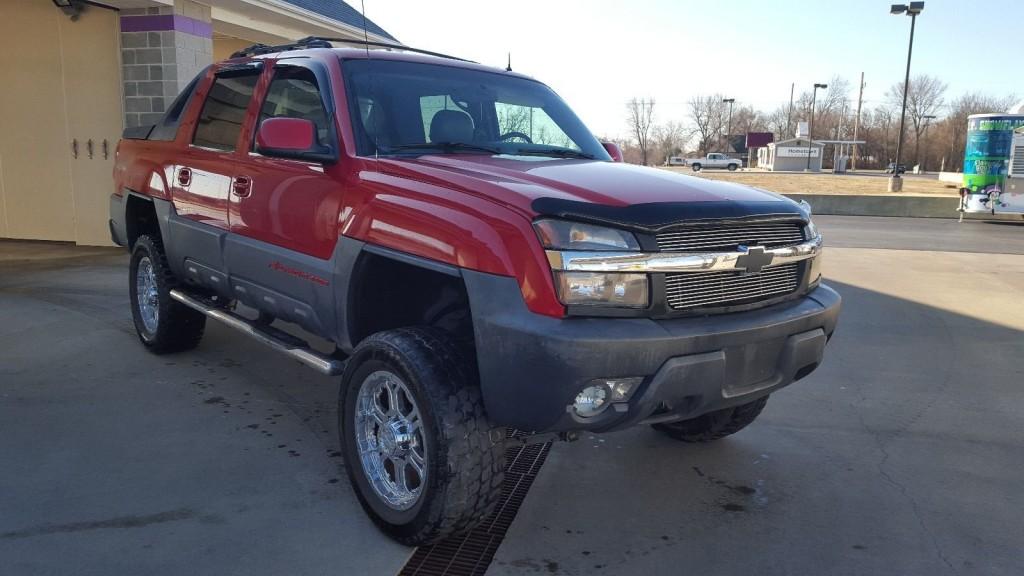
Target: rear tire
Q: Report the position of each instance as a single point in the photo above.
(163, 324)
(714, 425)
(409, 402)
(695, 166)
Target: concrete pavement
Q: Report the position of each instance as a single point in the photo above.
(115, 461)
(901, 455)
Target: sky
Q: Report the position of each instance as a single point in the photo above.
(598, 54)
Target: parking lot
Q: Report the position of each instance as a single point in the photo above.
(900, 455)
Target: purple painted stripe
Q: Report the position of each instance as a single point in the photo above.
(157, 23)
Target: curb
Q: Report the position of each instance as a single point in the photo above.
(891, 205)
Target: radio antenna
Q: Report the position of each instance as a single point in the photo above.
(366, 35)
(373, 101)
(509, 67)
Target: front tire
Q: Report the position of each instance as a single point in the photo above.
(418, 447)
(163, 324)
(733, 167)
(714, 425)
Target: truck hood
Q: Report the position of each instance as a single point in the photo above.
(590, 189)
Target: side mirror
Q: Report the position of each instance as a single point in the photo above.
(291, 138)
(613, 150)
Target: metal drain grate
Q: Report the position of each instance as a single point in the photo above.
(471, 554)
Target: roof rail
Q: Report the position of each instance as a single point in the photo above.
(325, 42)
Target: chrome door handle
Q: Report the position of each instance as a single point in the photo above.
(184, 177)
(242, 186)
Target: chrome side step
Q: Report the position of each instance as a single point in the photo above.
(286, 344)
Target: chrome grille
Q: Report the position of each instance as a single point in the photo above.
(769, 235)
(695, 290)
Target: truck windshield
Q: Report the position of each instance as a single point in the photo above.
(410, 108)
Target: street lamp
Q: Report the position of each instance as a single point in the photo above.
(924, 135)
(728, 131)
(810, 128)
(912, 10)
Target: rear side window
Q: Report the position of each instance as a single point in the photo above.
(294, 93)
(167, 128)
(220, 122)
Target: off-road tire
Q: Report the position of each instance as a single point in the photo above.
(714, 425)
(695, 166)
(178, 326)
(465, 461)
(733, 167)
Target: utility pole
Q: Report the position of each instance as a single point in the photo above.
(856, 124)
(789, 115)
(923, 163)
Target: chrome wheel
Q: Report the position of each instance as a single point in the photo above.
(390, 439)
(147, 295)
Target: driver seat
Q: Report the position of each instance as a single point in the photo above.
(451, 126)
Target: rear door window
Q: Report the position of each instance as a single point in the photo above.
(220, 121)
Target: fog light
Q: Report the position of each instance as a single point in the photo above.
(621, 388)
(591, 401)
(601, 393)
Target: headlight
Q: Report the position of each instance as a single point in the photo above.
(812, 230)
(602, 289)
(814, 275)
(562, 235)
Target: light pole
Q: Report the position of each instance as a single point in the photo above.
(924, 136)
(810, 128)
(728, 130)
(912, 10)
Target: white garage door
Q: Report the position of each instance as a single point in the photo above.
(62, 94)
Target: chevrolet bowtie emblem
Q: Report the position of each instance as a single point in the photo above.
(754, 258)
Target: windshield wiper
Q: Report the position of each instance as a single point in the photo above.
(444, 147)
(556, 152)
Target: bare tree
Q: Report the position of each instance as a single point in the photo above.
(747, 119)
(778, 123)
(924, 99)
(669, 138)
(640, 118)
(708, 115)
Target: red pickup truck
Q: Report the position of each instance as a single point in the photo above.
(479, 260)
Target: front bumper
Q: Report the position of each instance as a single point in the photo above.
(532, 367)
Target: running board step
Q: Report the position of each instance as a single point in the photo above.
(280, 341)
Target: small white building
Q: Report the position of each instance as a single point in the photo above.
(791, 155)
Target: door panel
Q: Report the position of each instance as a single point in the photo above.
(290, 203)
(36, 200)
(212, 158)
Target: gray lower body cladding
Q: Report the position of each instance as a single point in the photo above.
(532, 367)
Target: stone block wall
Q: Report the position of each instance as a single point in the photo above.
(162, 49)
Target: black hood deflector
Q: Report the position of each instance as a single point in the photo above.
(655, 216)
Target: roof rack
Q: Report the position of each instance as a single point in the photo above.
(325, 42)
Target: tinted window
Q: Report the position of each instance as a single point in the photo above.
(167, 128)
(224, 111)
(294, 93)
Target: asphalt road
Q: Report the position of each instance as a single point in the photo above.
(900, 455)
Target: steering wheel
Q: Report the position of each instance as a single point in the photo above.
(514, 134)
